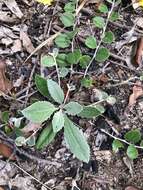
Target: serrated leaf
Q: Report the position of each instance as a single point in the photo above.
(39, 111)
(84, 61)
(67, 19)
(103, 8)
(62, 41)
(116, 145)
(58, 121)
(132, 152)
(90, 42)
(133, 136)
(99, 22)
(102, 54)
(73, 108)
(61, 60)
(76, 141)
(114, 16)
(87, 82)
(109, 37)
(41, 85)
(63, 72)
(48, 61)
(55, 91)
(45, 138)
(69, 7)
(91, 112)
(74, 57)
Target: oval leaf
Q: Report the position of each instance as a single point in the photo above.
(109, 37)
(132, 152)
(103, 8)
(67, 19)
(41, 85)
(116, 145)
(55, 91)
(45, 138)
(102, 54)
(39, 111)
(133, 136)
(48, 61)
(62, 41)
(73, 108)
(58, 121)
(76, 141)
(91, 112)
(99, 21)
(90, 42)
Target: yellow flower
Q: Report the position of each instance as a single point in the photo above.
(45, 2)
(141, 3)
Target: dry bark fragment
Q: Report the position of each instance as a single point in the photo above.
(5, 84)
(139, 52)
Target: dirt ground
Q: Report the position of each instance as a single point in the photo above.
(55, 167)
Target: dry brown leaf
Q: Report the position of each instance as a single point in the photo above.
(12, 5)
(1, 188)
(26, 42)
(6, 151)
(139, 52)
(5, 17)
(131, 188)
(31, 127)
(137, 92)
(16, 46)
(5, 84)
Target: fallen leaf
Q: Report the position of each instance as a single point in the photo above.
(6, 151)
(17, 47)
(1, 188)
(139, 52)
(139, 22)
(19, 81)
(5, 84)
(131, 188)
(31, 127)
(6, 18)
(26, 42)
(13, 6)
(137, 92)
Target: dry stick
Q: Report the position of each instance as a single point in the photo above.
(122, 140)
(31, 176)
(102, 36)
(29, 84)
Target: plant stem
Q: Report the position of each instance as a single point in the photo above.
(102, 36)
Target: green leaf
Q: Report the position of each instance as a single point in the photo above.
(86, 82)
(103, 8)
(141, 143)
(63, 72)
(73, 108)
(74, 57)
(84, 61)
(55, 91)
(99, 22)
(41, 85)
(5, 116)
(62, 41)
(20, 141)
(133, 136)
(76, 141)
(61, 60)
(45, 138)
(116, 145)
(132, 152)
(90, 42)
(58, 121)
(114, 16)
(102, 54)
(67, 19)
(69, 7)
(91, 112)
(39, 111)
(48, 61)
(109, 37)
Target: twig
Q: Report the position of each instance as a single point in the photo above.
(102, 36)
(122, 140)
(31, 176)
